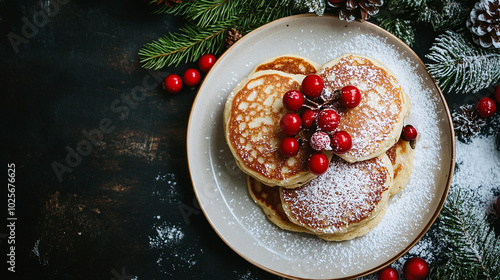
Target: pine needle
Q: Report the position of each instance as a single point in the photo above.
(400, 17)
(187, 45)
(403, 29)
(473, 251)
(460, 66)
(207, 28)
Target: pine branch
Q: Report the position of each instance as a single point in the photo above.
(460, 66)
(400, 17)
(313, 6)
(401, 28)
(181, 8)
(473, 250)
(209, 22)
(187, 45)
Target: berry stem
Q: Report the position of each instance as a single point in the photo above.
(313, 105)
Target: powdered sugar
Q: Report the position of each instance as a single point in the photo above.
(407, 211)
(243, 224)
(345, 195)
(375, 122)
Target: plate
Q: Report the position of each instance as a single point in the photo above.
(221, 187)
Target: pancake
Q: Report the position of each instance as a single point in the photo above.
(289, 63)
(268, 198)
(375, 124)
(251, 122)
(344, 199)
(401, 156)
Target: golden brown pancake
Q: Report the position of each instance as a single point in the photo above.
(401, 156)
(268, 198)
(251, 122)
(343, 199)
(289, 63)
(376, 123)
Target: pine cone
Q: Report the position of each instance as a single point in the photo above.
(484, 23)
(356, 9)
(232, 36)
(467, 122)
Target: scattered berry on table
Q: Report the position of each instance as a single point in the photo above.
(206, 62)
(388, 273)
(172, 83)
(191, 77)
(416, 268)
(486, 107)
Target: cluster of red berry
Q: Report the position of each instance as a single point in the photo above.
(414, 268)
(319, 117)
(486, 106)
(173, 83)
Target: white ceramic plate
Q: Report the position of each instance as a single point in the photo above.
(221, 187)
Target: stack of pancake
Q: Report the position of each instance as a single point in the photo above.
(351, 198)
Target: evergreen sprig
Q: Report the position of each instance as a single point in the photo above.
(401, 17)
(473, 251)
(173, 48)
(460, 66)
(208, 23)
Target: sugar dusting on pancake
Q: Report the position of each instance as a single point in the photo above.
(347, 194)
(376, 123)
(252, 117)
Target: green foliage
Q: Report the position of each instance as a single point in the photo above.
(400, 17)
(208, 23)
(402, 28)
(460, 66)
(189, 43)
(473, 251)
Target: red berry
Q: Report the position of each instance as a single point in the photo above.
(312, 86)
(335, 1)
(206, 62)
(191, 77)
(289, 147)
(293, 100)
(409, 133)
(416, 269)
(388, 273)
(172, 83)
(318, 163)
(290, 124)
(341, 142)
(486, 107)
(309, 118)
(328, 120)
(320, 141)
(350, 97)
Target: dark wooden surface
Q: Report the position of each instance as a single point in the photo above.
(102, 182)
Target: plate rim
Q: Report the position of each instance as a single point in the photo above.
(442, 99)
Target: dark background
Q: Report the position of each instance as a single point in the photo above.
(126, 208)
